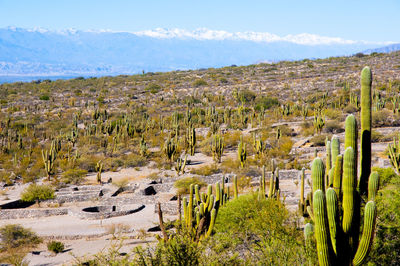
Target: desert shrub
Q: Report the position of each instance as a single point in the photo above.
(74, 176)
(206, 170)
(199, 83)
(333, 127)
(153, 88)
(44, 97)
(266, 103)
(382, 118)
(246, 95)
(121, 183)
(135, 160)
(37, 193)
(319, 140)
(261, 231)
(183, 184)
(350, 109)
(14, 236)
(55, 246)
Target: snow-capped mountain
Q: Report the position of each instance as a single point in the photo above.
(99, 52)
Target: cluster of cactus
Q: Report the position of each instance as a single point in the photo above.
(274, 191)
(170, 148)
(201, 209)
(353, 99)
(191, 139)
(336, 205)
(217, 147)
(379, 101)
(49, 157)
(258, 146)
(286, 110)
(180, 165)
(319, 122)
(242, 153)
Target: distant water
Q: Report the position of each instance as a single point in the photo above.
(10, 79)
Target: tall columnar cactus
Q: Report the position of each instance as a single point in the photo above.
(242, 153)
(302, 202)
(366, 81)
(235, 188)
(99, 169)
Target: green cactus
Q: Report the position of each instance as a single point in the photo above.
(365, 160)
(217, 147)
(302, 202)
(242, 153)
(99, 169)
(235, 188)
(191, 139)
(49, 157)
(170, 148)
(180, 165)
(336, 230)
(319, 122)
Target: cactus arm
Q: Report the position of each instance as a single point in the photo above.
(367, 235)
(321, 228)
(337, 178)
(333, 216)
(318, 175)
(373, 185)
(349, 178)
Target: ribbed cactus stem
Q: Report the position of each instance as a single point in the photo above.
(321, 228)
(335, 148)
(185, 213)
(366, 120)
(333, 215)
(235, 187)
(367, 235)
(302, 186)
(351, 135)
(212, 222)
(328, 163)
(373, 185)
(190, 207)
(318, 175)
(197, 194)
(337, 175)
(349, 179)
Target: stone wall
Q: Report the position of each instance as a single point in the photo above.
(31, 213)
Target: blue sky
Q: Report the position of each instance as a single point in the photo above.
(370, 20)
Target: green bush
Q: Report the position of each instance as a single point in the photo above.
(74, 176)
(44, 97)
(37, 193)
(15, 236)
(153, 88)
(266, 102)
(55, 246)
(262, 231)
(183, 184)
(199, 83)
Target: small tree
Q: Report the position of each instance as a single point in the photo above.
(37, 193)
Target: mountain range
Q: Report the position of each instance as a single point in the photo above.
(38, 52)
